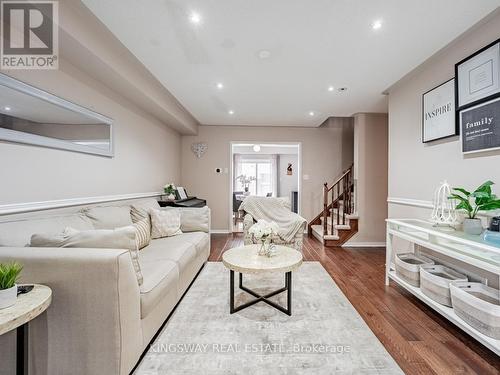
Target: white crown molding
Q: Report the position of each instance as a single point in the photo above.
(410, 202)
(364, 244)
(16, 208)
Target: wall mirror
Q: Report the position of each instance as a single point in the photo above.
(32, 116)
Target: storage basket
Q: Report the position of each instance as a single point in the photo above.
(408, 267)
(478, 305)
(435, 282)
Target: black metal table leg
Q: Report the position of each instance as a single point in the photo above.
(22, 349)
(261, 298)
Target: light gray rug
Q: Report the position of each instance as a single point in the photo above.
(324, 335)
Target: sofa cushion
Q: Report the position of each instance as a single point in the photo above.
(165, 223)
(175, 249)
(200, 240)
(108, 217)
(119, 238)
(161, 277)
(17, 233)
(194, 219)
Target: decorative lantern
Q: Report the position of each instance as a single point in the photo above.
(443, 212)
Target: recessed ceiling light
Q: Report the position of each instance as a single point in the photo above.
(220, 86)
(256, 148)
(195, 18)
(377, 24)
(311, 113)
(231, 112)
(7, 108)
(331, 88)
(264, 54)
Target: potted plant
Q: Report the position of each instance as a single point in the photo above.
(9, 273)
(169, 190)
(480, 199)
(245, 181)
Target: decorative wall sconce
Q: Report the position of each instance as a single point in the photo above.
(199, 149)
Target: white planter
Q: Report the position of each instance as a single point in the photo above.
(478, 305)
(408, 267)
(8, 297)
(473, 226)
(435, 282)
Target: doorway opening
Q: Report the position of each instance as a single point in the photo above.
(265, 170)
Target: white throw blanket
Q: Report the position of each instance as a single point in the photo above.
(273, 209)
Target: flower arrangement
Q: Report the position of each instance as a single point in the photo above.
(169, 190)
(245, 180)
(263, 231)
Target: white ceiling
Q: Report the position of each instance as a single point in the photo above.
(312, 45)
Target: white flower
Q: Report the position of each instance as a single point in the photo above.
(263, 229)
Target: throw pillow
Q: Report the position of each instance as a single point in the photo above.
(142, 232)
(165, 223)
(195, 219)
(120, 238)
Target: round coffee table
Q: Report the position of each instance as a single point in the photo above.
(245, 259)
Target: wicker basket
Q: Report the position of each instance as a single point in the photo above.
(435, 282)
(408, 267)
(478, 305)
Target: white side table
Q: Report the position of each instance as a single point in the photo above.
(27, 307)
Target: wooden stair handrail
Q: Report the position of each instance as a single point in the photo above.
(341, 189)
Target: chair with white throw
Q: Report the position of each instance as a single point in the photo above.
(291, 225)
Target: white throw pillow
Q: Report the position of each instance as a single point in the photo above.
(165, 223)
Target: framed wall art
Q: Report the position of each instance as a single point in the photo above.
(438, 112)
(478, 76)
(480, 127)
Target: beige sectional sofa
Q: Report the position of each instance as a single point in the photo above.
(100, 320)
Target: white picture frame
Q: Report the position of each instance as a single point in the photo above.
(438, 112)
(182, 192)
(478, 76)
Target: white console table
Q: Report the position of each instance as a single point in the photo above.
(454, 244)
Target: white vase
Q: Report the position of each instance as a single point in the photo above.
(8, 297)
(171, 197)
(473, 226)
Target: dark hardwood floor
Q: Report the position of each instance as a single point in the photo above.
(420, 340)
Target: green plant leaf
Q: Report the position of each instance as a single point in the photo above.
(491, 205)
(486, 187)
(9, 274)
(463, 191)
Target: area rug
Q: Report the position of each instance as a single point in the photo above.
(324, 335)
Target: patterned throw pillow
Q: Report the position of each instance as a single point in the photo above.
(142, 233)
(165, 223)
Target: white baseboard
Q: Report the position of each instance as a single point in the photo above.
(364, 244)
(220, 231)
(16, 208)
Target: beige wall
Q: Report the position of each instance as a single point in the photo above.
(416, 169)
(147, 152)
(370, 172)
(321, 162)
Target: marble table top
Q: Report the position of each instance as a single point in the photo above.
(27, 307)
(246, 259)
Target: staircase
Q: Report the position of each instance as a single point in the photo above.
(338, 221)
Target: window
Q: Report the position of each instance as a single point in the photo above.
(260, 171)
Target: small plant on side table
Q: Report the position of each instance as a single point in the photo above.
(480, 199)
(9, 274)
(169, 190)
